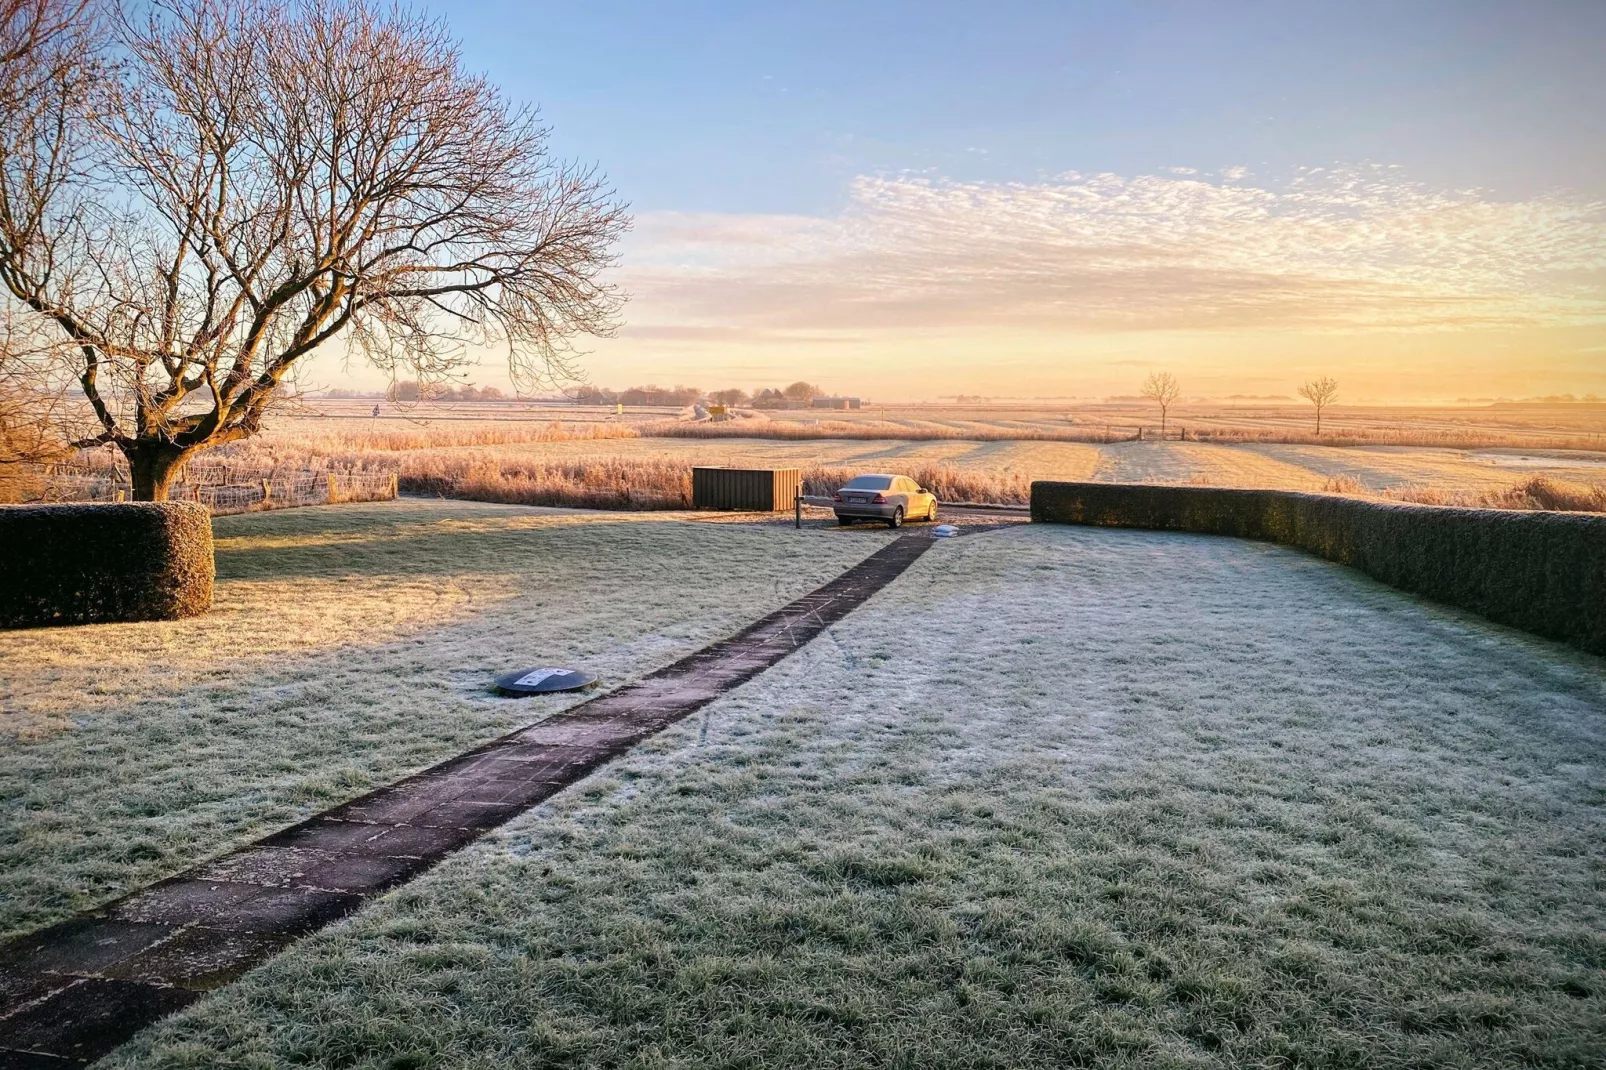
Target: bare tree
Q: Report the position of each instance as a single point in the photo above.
(1162, 389)
(1320, 393)
(262, 180)
(40, 40)
(44, 53)
(35, 411)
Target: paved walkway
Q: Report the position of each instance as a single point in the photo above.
(74, 991)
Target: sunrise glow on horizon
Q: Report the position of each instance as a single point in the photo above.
(912, 202)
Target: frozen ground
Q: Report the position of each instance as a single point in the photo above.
(348, 645)
(1057, 797)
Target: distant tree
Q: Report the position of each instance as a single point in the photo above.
(1162, 389)
(587, 394)
(1320, 393)
(254, 179)
(678, 396)
(801, 391)
(731, 398)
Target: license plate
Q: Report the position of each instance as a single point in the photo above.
(860, 499)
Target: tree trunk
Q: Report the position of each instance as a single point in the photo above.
(151, 468)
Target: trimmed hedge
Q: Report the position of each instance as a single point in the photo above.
(1539, 571)
(83, 564)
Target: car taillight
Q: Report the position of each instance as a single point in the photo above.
(837, 496)
(880, 499)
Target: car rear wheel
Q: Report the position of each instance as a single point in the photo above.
(931, 517)
(896, 520)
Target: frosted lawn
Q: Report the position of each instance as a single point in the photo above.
(348, 646)
(1055, 797)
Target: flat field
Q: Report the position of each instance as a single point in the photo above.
(348, 646)
(1056, 797)
(1526, 457)
(564, 462)
(1517, 425)
(1288, 467)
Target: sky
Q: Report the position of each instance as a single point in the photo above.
(912, 201)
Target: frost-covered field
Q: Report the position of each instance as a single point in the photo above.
(1057, 797)
(348, 645)
(1374, 469)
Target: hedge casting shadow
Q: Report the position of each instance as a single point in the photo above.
(1539, 571)
(84, 564)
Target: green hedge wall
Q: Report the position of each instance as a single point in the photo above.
(82, 564)
(1542, 572)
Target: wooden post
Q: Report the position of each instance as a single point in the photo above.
(797, 506)
(267, 492)
(334, 488)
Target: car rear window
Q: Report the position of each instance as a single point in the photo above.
(869, 483)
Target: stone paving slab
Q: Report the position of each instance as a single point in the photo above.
(73, 991)
(199, 958)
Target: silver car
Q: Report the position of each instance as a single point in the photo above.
(891, 499)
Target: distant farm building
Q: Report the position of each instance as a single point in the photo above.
(837, 403)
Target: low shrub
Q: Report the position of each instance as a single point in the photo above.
(1544, 572)
(85, 564)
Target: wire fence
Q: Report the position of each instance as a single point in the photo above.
(220, 488)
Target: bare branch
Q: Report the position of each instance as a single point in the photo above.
(257, 181)
(1162, 389)
(1320, 393)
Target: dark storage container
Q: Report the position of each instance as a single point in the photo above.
(765, 490)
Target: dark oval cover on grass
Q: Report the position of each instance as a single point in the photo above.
(542, 681)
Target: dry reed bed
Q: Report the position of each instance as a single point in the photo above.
(614, 483)
(1536, 492)
(344, 435)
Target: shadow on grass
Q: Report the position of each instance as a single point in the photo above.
(359, 645)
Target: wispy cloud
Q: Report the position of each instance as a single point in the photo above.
(1330, 249)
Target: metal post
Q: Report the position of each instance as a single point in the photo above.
(797, 508)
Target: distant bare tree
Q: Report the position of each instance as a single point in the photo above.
(261, 179)
(730, 398)
(1320, 393)
(1162, 389)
